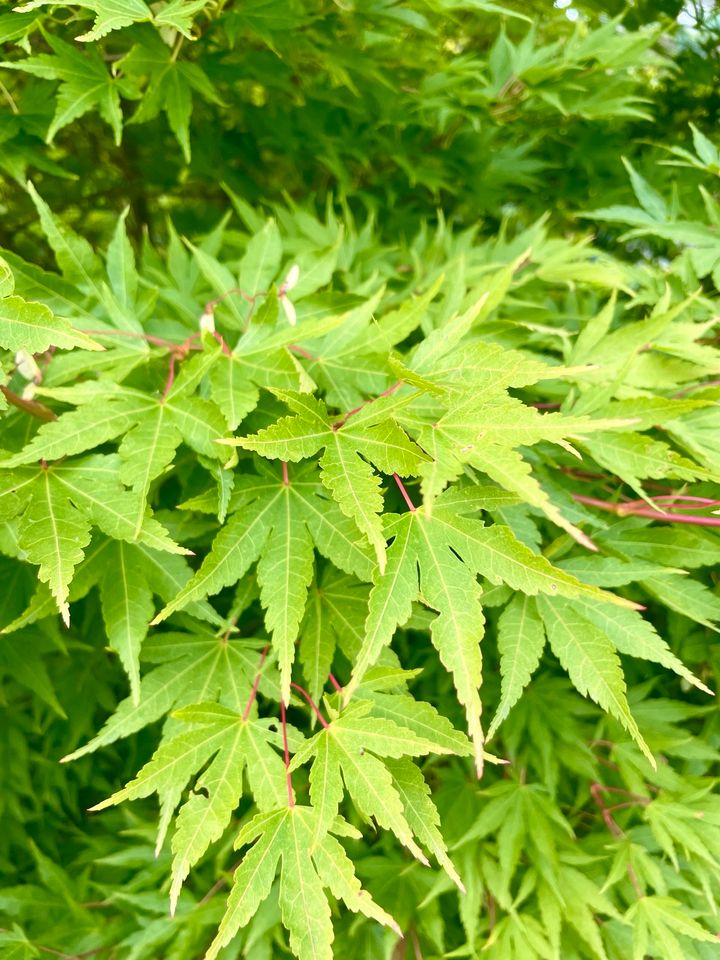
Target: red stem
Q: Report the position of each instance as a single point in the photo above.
(403, 491)
(629, 510)
(703, 503)
(696, 386)
(302, 352)
(170, 377)
(304, 693)
(211, 304)
(288, 778)
(386, 393)
(156, 341)
(225, 348)
(256, 684)
(285, 477)
(334, 682)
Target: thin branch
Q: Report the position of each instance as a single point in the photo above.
(333, 681)
(285, 477)
(630, 510)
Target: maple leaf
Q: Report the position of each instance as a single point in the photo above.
(192, 668)
(350, 447)
(277, 521)
(109, 14)
(58, 505)
(151, 428)
(85, 84)
(347, 751)
(656, 922)
(437, 559)
(227, 745)
(262, 356)
(171, 82)
(312, 860)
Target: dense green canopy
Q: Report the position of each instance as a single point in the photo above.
(359, 465)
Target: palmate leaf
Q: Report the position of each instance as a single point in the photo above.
(262, 356)
(58, 505)
(312, 860)
(350, 447)
(109, 14)
(85, 84)
(192, 668)
(656, 922)
(347, 751)
(151, 428)
(228, 745)
(278, 524)
(172, 82)
(436, 559)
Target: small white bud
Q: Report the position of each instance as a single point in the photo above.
(290, 280)
(289, 309)
(27, 367)
(207, 321)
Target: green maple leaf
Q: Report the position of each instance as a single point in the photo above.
(85, 84)
(278, 524)
(227, 745)
(312, 860)
(347, 751)
(350, 447)
(437, 559)
(656, 922)
(170, 87)
(261, 357)
(192, 668)
(109, 14)
(634, 457)
(57, 507)
(151, 428)
(352, 362)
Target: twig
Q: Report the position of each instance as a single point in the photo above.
(333, 681)
(632, 510)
